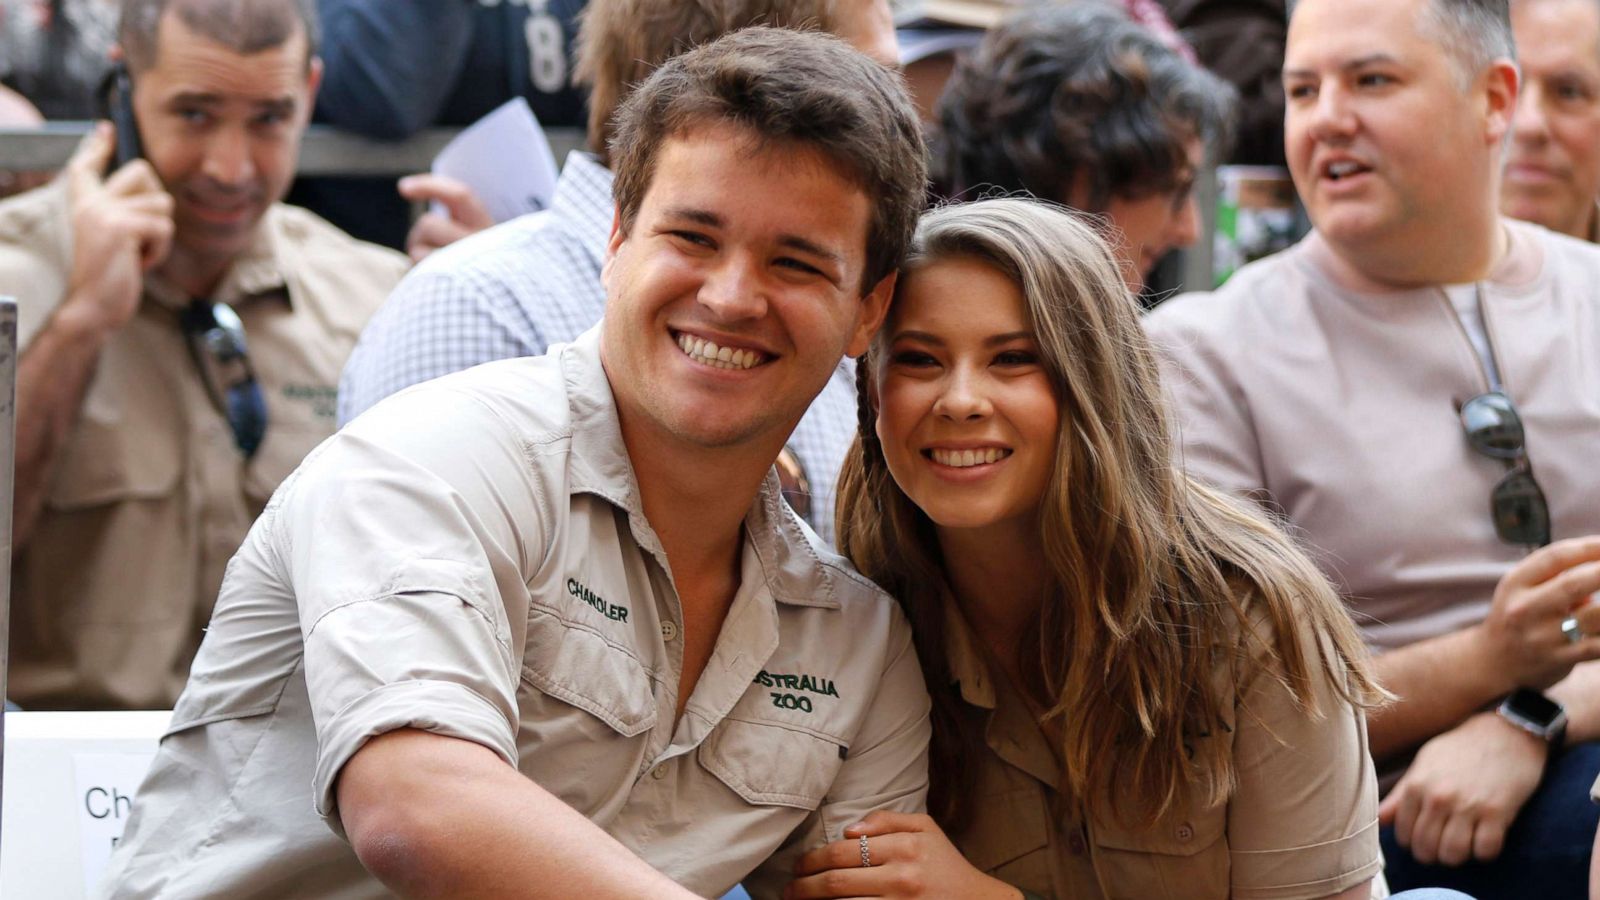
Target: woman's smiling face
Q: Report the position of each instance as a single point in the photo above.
(967, 415)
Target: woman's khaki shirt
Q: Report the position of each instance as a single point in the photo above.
(1301, 823)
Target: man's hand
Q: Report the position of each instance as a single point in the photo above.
(121, 228)
(911, 857)
(1521, 637)
(1463, 790)
(431, 231)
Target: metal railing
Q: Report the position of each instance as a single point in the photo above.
(325, 150)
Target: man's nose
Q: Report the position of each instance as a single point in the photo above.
(1332, 117)
(1529, 123)
(227, 157)
(733, 290)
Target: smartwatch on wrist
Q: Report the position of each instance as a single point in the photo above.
(1536, 714)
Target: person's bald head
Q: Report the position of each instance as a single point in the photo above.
(243, 26)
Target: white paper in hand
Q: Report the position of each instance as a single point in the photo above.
(506, 160)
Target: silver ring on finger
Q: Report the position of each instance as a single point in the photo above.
(866, 855)
(1569, 628)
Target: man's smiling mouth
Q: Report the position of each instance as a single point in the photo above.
(703, 351)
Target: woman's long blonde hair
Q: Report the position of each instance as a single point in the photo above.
(1150, 569)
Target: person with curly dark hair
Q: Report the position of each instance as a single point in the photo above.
(1081, 105)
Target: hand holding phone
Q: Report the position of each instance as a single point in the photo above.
(122, 226)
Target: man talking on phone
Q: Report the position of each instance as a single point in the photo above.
(182, 334)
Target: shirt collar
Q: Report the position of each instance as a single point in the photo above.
(967, 665)
(583, 203)
(791, 563)
(256, 271)
(1520, 266)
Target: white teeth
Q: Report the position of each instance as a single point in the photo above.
(962, 459)
(703, 351)
(1341, 169)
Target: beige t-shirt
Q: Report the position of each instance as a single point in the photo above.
(1336, 404)
(470, 558)
(1301, 822)
(150, 496)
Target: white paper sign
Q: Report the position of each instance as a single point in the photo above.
(106, 783)
(505, 158)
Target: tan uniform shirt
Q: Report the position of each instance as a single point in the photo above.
(150, 496)
(1301, 823)
(491, 576)
(1336, 403)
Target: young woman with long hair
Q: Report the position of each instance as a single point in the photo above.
(1141, 688)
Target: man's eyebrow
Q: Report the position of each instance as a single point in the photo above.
(1360, 62)
(792, 241)
(812, 248)
(205, 98)
(697, 216)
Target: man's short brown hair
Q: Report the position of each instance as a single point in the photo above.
(789, 88)
(243, 26)
(620, 42)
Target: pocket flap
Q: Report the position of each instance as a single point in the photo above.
(771, 765)
(581, 668)
(107, 462)
(1007, 827)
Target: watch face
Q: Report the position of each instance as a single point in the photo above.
(1533, 706)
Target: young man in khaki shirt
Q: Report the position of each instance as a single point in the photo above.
(1329, 382)
(142, 454)
(546, 628)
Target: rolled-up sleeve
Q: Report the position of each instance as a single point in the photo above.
(406, 549)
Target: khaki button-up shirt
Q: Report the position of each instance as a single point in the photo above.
(471, 558)
(150, 496)
(1301, 822)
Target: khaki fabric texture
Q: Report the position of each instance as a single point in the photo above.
(492, 577)
(150, 496)
(1301, 822)
(1335, 403)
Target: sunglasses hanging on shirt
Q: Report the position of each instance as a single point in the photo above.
(1517, 504)
(216, 342)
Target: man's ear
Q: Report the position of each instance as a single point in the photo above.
(874, 307)
(313, 82)
(613, 244)
(1501, 82)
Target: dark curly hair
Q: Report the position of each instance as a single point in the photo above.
(1075, 96)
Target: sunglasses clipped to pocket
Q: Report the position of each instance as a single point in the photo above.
(216, 342)
(1517, 503)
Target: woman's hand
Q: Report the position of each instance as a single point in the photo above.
(911, 857)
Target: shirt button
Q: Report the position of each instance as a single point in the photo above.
(1076, 845)
(1185, 832)
(669, 631)
(659, 772)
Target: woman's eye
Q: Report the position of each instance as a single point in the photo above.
(1017, 358)
(912, 358)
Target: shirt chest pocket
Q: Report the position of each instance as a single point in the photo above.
(1186, 860)
(582, 669)
(770, 765)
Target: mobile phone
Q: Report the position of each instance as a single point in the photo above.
(119, 108)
